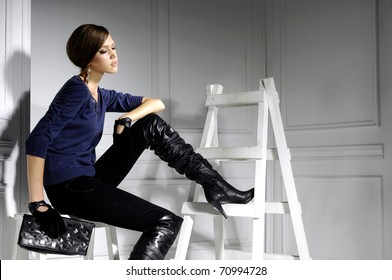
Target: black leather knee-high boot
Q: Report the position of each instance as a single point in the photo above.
(216, 189)
(170, 147)
(156, 241)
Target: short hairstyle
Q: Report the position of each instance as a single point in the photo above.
(84, 43)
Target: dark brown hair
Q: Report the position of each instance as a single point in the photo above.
(84, 43)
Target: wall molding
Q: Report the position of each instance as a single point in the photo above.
(346, 186)
(372, 121)
(5, 150)
(372, 151)
(5, 154)
(3, 41)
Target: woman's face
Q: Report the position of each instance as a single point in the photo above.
(105, 60)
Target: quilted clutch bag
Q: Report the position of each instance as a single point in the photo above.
(74, 241)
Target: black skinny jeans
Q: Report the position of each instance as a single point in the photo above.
(98, 198)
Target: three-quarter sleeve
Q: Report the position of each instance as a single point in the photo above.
(120, 102)
(66, 104)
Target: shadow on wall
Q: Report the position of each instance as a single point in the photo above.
(14, 133)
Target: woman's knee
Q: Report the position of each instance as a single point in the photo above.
(151, 120)
(169, 222)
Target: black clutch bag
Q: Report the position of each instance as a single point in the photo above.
(74, 241)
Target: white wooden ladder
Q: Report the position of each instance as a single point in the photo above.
(267, 100)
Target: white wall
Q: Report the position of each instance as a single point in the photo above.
(14, 112)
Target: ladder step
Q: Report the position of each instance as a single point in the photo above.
(232, 210)
(282, 207)
(234, 254)
(277, 208)
(280, 257)
(237, 153)
(237, 210)
(239, 99)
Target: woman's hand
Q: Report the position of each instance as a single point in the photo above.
(49, 220)
(122, 138)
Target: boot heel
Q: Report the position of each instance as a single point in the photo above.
(216, 204)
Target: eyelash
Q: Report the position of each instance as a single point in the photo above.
(103, 52)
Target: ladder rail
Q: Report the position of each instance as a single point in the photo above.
(286, 168)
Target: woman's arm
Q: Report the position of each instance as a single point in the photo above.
(49, 220)
(149, 105)
(35, 175)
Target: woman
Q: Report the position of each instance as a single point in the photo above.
(61, 154)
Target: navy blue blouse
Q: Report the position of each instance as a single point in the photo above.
(67, 135)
